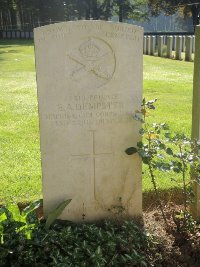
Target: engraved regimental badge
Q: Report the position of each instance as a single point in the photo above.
(92, 63)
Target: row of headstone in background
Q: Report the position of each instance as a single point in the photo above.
(17, 35)
(178, 44)
(29, 34)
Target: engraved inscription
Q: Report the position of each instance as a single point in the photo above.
(111, 31)
(90, 110)
(92, 63)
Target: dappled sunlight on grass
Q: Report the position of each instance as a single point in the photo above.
(171, 82)
(20, 169)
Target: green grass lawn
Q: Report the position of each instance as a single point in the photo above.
(168, 80)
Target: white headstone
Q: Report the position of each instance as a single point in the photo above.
(152, 45)
(183, 43)
(148, 44)
(89, 78)
(178, 47)
(164, 39)
(18, 34)
(145, 45)
(169, 46)
(193, 44)
(188, 48)
(174, 43)
(160, 46)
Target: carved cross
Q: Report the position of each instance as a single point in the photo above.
(93, 155)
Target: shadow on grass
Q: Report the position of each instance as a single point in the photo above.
(9, 43)
(5, 46)
(9, 51)
(173, 195)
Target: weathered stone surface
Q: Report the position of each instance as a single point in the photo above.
(174, 43)
(152, 45)
(145, 45)
(148, 44)
(160, 46)
(89, 78)
(193, 44)
(178, 47)
(169, 46)
(188, 48)
(196, 116)
(18, 34)
(183, 43)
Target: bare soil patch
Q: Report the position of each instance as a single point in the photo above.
(180, 249)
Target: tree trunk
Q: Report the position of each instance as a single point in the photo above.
(120, 5)
(195, 14)
(1, 20)
(95, 12)
(18, 20)
(18, 15)
(88, 10)
(87, 14)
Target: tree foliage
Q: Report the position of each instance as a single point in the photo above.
(170, 7)
(127, 9)
(33, 13)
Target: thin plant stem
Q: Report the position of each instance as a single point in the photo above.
(184, 181)
(157, 194)
(150, 167)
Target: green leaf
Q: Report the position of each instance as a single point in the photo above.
(145, 160)
(151, 107)
(33, 206)
(142, 131)
(169, 151)
(138, 117)
(162, 146)
(139, 144)
(2, 210)
(165, 126)
(32, 218)
(151, 101)
(98, 251)
(167, 134)
(143, 263)
(131, 150)
(128, 257)
(7, 212)
(53, 215)
(176, 169)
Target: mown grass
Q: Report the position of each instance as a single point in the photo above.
(171, 82)
(168, 80)
(20, 170)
